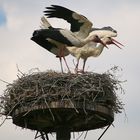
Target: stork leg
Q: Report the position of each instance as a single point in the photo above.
(76, 67)
(66, 64)
(84, 62)
(62, 55)
(60, 59)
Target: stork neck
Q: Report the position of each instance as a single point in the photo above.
(99, 49)
(86, 40)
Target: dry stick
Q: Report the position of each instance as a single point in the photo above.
(49, 109)
(48, 105)
(104, 132)
(32, 106)
(84, 106)
(72, 104)
(85, 135)
(73, 135)
(19, 70)
(46, 134)
(42, 135)
(9, 114)
(5, 82)
(36, 135)
(80, 135)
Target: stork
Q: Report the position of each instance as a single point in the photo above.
(82, 27)
(53, 39)
(50, 45)
(88, 50)
(66, 37)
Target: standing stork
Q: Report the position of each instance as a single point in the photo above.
(88, 50)
(59, 38)
(82, 27)
(50, 45)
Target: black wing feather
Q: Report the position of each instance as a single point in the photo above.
(64, 13)
(40, 40)
(54, 34)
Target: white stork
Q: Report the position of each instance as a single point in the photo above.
(88, 50)
(82, 27)
(50, 45)
(54, 40)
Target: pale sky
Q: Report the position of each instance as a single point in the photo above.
(18, 20)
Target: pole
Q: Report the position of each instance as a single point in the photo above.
(104, 132)
(63, 133)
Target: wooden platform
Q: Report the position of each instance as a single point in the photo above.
(75, 116)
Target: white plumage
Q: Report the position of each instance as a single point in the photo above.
(88, 50)
(81, 41)
(60, 39)
(91, 48)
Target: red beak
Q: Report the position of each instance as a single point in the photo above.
(103, 43)
(115, 42)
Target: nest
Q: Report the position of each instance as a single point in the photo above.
(46, 87)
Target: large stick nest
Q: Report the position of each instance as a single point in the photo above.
(39, 87)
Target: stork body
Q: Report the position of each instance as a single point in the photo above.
(89, 50)
(82, 27)
(45, 37)
(65, 37)
(49, 44)
(60, 38)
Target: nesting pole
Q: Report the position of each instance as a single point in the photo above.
(62, 103)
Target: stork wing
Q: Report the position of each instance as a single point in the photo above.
(59, 35)
(80, 25)
(44, 23)
(43, 42)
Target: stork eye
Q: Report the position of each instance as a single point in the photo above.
(114, 31)
(35, 33)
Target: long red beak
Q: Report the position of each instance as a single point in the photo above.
(115, 42)
(103, 43)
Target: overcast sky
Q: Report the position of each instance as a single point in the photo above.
(18, 19)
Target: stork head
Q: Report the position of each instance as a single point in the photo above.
(37, 36)
(36, 33)
(104, 32)
(96, 39)
(109, 41)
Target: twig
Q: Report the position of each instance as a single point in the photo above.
(85, 135)
(80, 135)
(49, 110)
(5, 82)
(104, 132)
(8, 114)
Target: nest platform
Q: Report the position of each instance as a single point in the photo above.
(50, 101)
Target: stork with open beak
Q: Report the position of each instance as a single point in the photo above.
(54, 40)
(90, 50)
(82, 27)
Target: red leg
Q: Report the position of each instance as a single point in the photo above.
(66, 64)
(84, 65)
(76, 67)
(61, 64)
